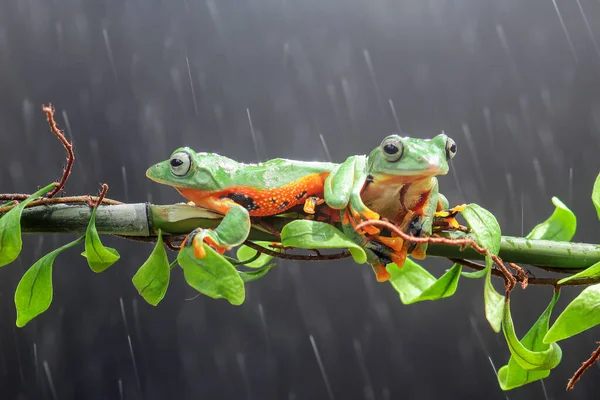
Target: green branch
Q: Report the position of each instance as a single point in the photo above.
(142, 220)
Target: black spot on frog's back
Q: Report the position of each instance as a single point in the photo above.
(244, 200)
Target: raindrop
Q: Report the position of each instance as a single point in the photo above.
(242, 365)
(321, 367)
(372, 74)
(253, 133)
(564, 28)
(110, 53)
(325, 147)
(393, 108)
(588, 27)
(135, 369)
(473, 151)
(50, 382)
(125, 185)
(187, 60)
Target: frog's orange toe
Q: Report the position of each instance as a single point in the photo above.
(381, 273)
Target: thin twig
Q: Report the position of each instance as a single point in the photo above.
(584, 367)
(297, 257)
(13, 196)
(100, 197)
(531, 280)
(49, 110)
(63, 200)
(510, 280)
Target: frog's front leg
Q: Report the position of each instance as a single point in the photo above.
(342, 190)
(232, 231)
(423, 223)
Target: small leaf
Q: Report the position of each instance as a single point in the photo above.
(212, 275)
(152, 279)
(99, 257)
(527, 359)
(475, 274)
(560, 226)
(590, 272)
(484, 226)
(596, 195)
(257, 274)
(10, 228)
(307, 234)
(493, 301)
(581, 314)
(248, 253)
(415, 284)
(34, 291)
(513, 375)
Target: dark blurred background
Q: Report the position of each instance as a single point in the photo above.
(514, 82)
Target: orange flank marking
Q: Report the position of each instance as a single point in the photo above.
(260, 202)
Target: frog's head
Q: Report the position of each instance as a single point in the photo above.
(412, 158)
(184, 169)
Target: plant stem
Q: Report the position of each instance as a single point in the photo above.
(143, 220)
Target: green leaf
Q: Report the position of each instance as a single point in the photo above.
(493, 301)
(307, 234)
(560, 226)
(212, 275)
(257, 274)
(590, 272)
(152, 279)
(527, 359)
(248, 253)
(484, 226)
(98, 257)
(581, 314)
(475, 274)
(596, 195)
(513, 375)
(415, 284)
(34, 291)
(10, 228)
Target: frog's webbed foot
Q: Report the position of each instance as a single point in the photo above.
(387, 250)
(449, 216)
(198, 237)
(356, 217)
(312, 202)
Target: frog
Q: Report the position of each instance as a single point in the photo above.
(397, 181)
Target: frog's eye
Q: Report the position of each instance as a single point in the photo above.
(392, 149)
(450, 148)
(180, 163)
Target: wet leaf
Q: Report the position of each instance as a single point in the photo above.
(560, 226)
(152, 279)
(484, 227)
(513, 375)
(98, 256)
(34, 291)
(306, 234)
(547, 357)
(257, 274)
(10, 228)
(475, 274)
(415, 284)
(248, 253)
(212, 275)
(596, 195)
(591, 272)
(581, 314)
(493, 301)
